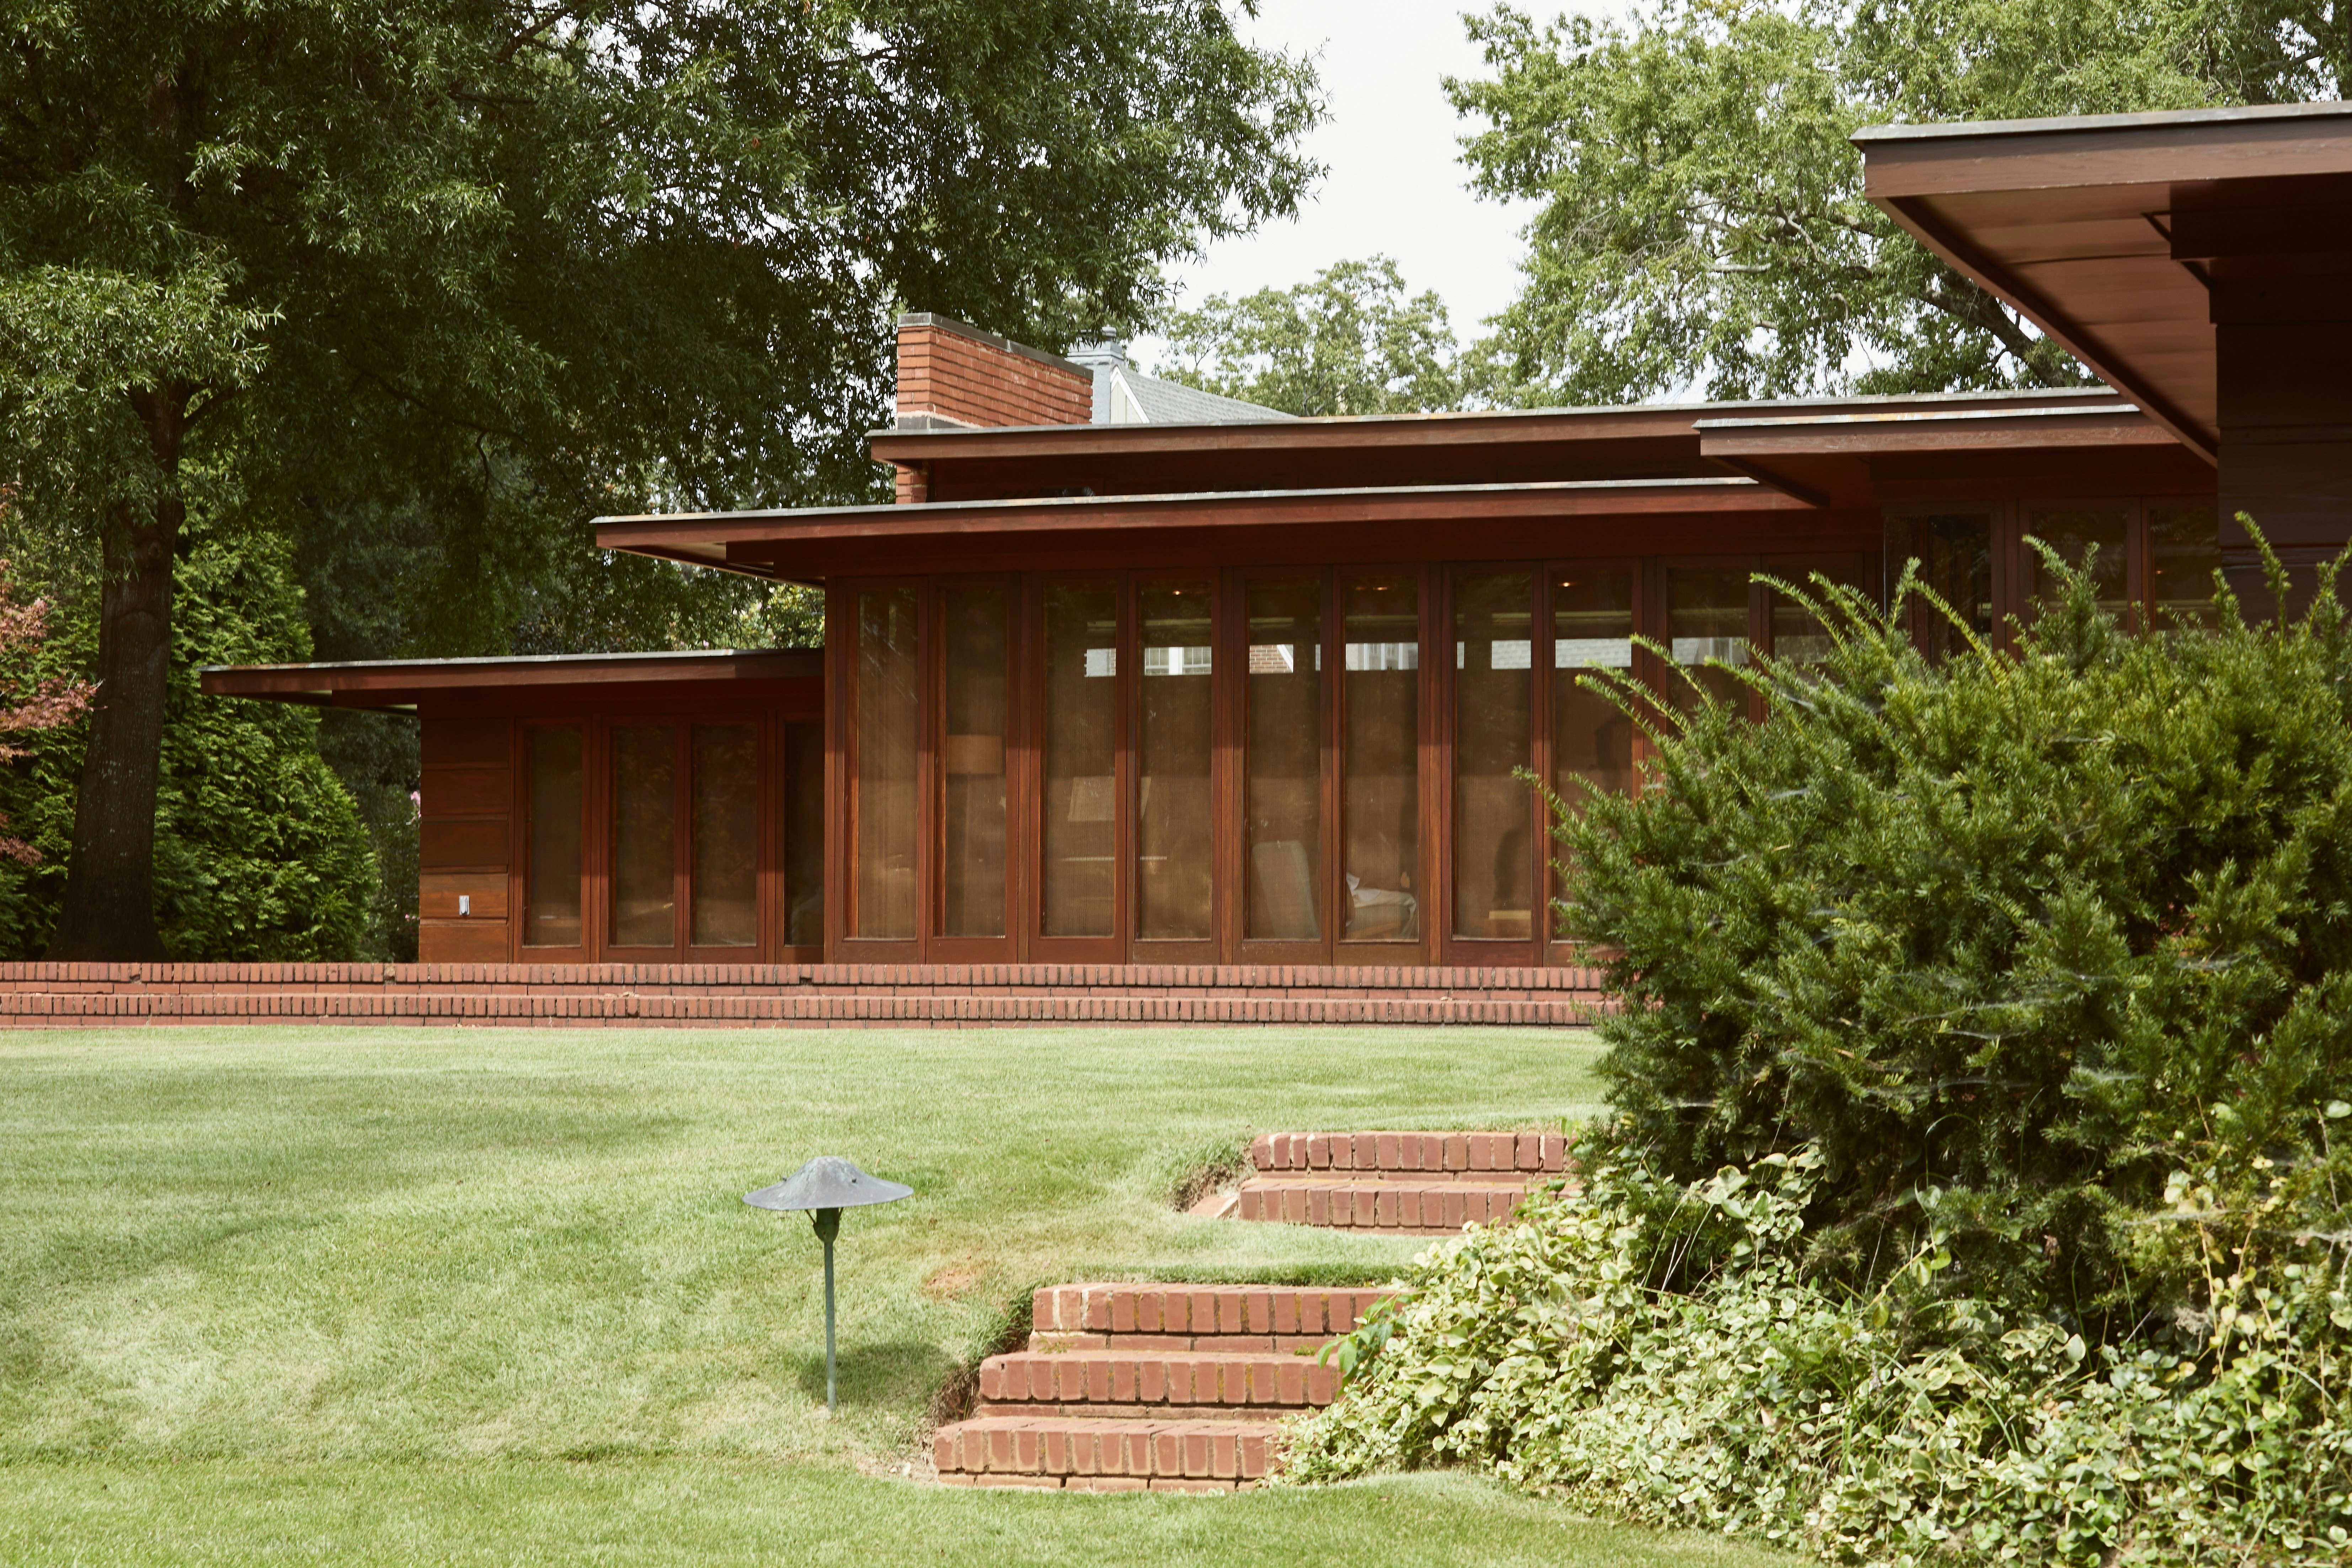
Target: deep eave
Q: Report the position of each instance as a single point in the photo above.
(2077, 224)
(393, 685)
(736, 539)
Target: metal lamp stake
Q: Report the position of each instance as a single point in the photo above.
(825, 1187)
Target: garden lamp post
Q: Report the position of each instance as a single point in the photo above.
(826, 1185)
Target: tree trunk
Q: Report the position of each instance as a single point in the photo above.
(110, 904)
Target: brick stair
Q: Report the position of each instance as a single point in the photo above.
(1127, 1387)
(1416, 1183)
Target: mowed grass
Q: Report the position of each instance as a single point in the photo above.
(297, 1295)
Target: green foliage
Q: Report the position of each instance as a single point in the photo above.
(2007, 938)
(1349, 342)
(1703, 222)
(260, 852)
(1662, 1351)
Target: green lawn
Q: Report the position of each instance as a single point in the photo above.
(295, 1295)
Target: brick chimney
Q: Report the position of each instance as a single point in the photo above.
(953, 376)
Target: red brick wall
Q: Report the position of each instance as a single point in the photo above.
(61, 995)
(950, 371)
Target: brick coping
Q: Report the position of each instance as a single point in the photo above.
(38, 995)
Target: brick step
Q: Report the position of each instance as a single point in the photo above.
(1228, 1319)
(1440, 1155)
(1083, 1455)
(1431, 1208)
(1138, 1381)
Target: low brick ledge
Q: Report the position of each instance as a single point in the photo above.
(53, 996)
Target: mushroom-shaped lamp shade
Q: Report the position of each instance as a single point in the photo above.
(828, 1182)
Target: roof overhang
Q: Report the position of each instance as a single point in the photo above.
(1818, 458)
(2107, 232)
(395, 686)
(759, 540)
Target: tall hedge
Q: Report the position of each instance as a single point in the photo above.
(259, 854)
(2007, 938)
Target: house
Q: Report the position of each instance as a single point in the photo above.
(1127, 674)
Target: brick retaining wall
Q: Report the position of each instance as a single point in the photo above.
(54, 995)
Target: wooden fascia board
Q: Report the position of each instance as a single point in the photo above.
(323, 685)
(2041, 156)
(1259, 509)
(1866, 439)
(1986, 273)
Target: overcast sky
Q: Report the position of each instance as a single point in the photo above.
(1395, 185)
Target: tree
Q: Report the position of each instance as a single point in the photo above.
(1703, 223)
(29, 706)
(260, 855)
(512, 264)
(1349, 342)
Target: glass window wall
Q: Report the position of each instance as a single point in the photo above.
(1283, 699)
(977, 649)
(552, 876)
(1081, 759)
(1592, 635)
(2184, 550)
(883, 850)
(1173, 848)
(803, 833)
(1379, 768)
(2092, 534)
(1954, 554)
(644, 835)
(1494, 680)
(1707, 629)
(725, 851)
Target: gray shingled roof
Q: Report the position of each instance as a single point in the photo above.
(1162, 402)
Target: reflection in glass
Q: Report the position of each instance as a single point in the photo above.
(1380, 783)
(725, 848)
(550, 909)
(1797, 636)
(1954, 554)
(1173, 850)
(1493, 678)
(2184, 550)
(1592, 738)
(1081, 804)
(883, 860)
(803, 835)
(1283, 699)
(645, 836)
(1707, 627)
(2075, 532)
(978, 647)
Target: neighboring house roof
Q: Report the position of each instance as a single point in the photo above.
(1125, 395)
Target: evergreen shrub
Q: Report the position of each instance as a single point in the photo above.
(2008, 939)
(1976, 1188)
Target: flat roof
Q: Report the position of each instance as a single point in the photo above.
(2076, 223)
(327, 685)
(717, 539)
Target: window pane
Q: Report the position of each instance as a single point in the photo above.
(645, 837)
(978, 644)
(803, 835)
(726, 835)
(1706, 618)
(1592, 738)
(1283, 697)
(884, 865)
(1081, 805)
(2073, 532)
(1173, 858)
(1797, 637)
(552, 888)
(2184, 548)
(1493, 680)
(1954, 554)
(1379, 774)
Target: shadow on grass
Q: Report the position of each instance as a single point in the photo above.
(891, 1373)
